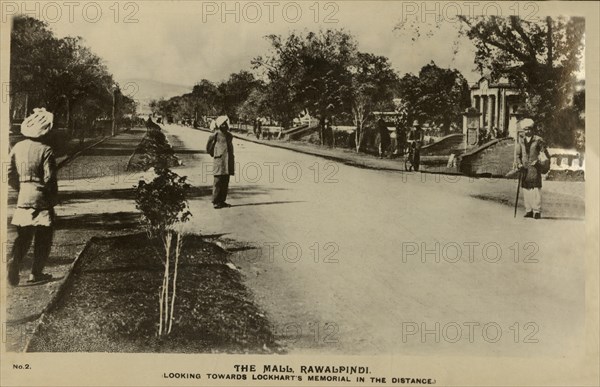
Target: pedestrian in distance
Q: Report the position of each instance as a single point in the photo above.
(255, 128)
(385, 139)
(258, 128)
(532, 160)
(220, 147)
(32, 172)
(400, 137)
(328, 133)
(416, 136)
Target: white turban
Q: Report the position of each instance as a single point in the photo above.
(37, 124)
(220, 120)
(526, 123)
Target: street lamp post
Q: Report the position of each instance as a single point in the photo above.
(114, 106)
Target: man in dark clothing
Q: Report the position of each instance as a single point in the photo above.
(529, 148)
(220, 147)
(384, 137)
(400, 137)
(258, 128)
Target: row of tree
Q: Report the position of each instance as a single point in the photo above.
(62, 75)
(323, 73)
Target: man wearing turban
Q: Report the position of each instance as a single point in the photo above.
(528, 151)
(220, 147)
(32, 172)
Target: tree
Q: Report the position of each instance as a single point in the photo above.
(436, 95)
(308, 71)
(32, 45)
(280, 69)
(541, 57)
(326, 80)
(164, 207)
(60, 74)
(409, 90)
(373, 84)
(444, 96)
(234, 91)
(255, 105)
(205, 95)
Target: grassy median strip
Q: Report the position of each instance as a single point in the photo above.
(111, 305)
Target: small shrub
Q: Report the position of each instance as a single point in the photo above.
(163, 200)
(164, 207)
(155, 151)
(164, 210)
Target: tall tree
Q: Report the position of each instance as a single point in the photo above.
(205, 95)
(281, 70)
(62, 75)
(373, 85)
(309, 71)
(256, 105)
(436, 95)
(540, 56)
(234, 91)
(32, 46)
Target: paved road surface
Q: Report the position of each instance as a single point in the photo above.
(368, 290)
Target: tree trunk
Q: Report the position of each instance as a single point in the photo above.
(549, 42)
(68, 113)
(70, 120)
(332, 137)
(178, 244)
(81, 134)
(321, 127)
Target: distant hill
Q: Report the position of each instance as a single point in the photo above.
(145, 90)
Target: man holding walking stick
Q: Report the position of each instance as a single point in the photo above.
(533, 160)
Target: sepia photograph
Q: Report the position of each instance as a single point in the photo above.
(253, 193)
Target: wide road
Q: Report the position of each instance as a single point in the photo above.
(358, 261)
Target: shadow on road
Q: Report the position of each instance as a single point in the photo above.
(77, 196)
(116, 221)
(267, 203)
(196, 192)
(190, 152)
(562, 218)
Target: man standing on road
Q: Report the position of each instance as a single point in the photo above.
(529, 149)
(258, 128)
(220, 147)
(32, 172)
(384, 137)
(416, 138)
(400, 137)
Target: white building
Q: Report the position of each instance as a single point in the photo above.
(497, 103)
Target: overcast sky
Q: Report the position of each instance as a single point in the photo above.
(183, 42)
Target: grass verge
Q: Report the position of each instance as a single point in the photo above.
(111, 304)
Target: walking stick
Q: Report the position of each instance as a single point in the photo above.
(518, 187)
